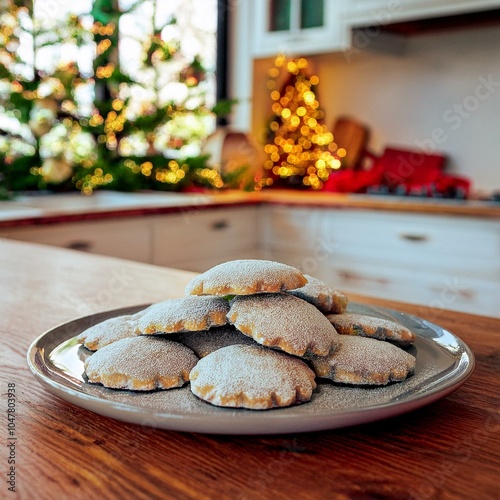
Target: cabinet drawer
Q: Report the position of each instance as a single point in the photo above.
(292, 229)
(319, 266)
(124, 238)
(419, 242)
(431, 289)
(436, 289)
(195, 235)
(202, 264)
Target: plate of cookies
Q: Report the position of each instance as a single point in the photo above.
(254, 347)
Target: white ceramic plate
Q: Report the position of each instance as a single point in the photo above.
(444, 362)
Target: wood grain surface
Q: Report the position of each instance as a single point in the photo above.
(447, 450)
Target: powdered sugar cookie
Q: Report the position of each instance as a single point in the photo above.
(141, 364)
(107, 332)
(246, 277)
(142, 312)
(368, 326)
(364, 361)
(251, 377)
(185, 314)
(321, 295)
(284, 322)
(207, 341)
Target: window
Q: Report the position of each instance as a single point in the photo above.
(83, 85)
(289, 15)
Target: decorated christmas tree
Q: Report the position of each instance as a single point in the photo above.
(82, 126)
(34, 105)
(300, 148)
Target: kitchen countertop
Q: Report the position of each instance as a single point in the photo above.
(391, 203)
(56, 208)
(446, 450)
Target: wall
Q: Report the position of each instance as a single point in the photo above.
(442, 93)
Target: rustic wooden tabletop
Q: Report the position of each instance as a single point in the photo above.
(447, 450)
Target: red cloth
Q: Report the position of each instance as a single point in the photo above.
(396, 168)
(409, 168)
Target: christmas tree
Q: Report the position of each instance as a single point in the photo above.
(300, 148)
(73, 127)
(34, 105)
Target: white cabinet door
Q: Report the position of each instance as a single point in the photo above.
(438, 261)
(429, 288)
(196, 240)
(467, 246)
(379, 12)
(297, 27)
(294, 236)
(124, 238)
(292, 229)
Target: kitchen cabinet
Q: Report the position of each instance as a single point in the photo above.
(297, 27)
(379, 12)
(294, 235)
(444, 261)
(196, 240)
(193, 240)
(305, 27)
(127, 238)
(265, 28)
(447, 262)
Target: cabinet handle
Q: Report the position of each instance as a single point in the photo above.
(414, 237)
(220, 225)
(82, 246)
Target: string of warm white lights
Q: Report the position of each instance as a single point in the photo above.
(301, 146)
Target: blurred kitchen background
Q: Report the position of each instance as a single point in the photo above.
(356, 139)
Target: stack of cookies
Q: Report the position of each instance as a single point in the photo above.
(249, 334)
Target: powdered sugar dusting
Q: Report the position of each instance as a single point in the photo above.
(328, 397)
(246, 277)
(185, 314)
(141, 313)
(284, 322)
(321, 295)
(251, 377)
(208, 341)
(360, 360)
(141, 363)
(369, 326)
(331, 397)
(107, 332)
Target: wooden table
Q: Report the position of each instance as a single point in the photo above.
(447, 450)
